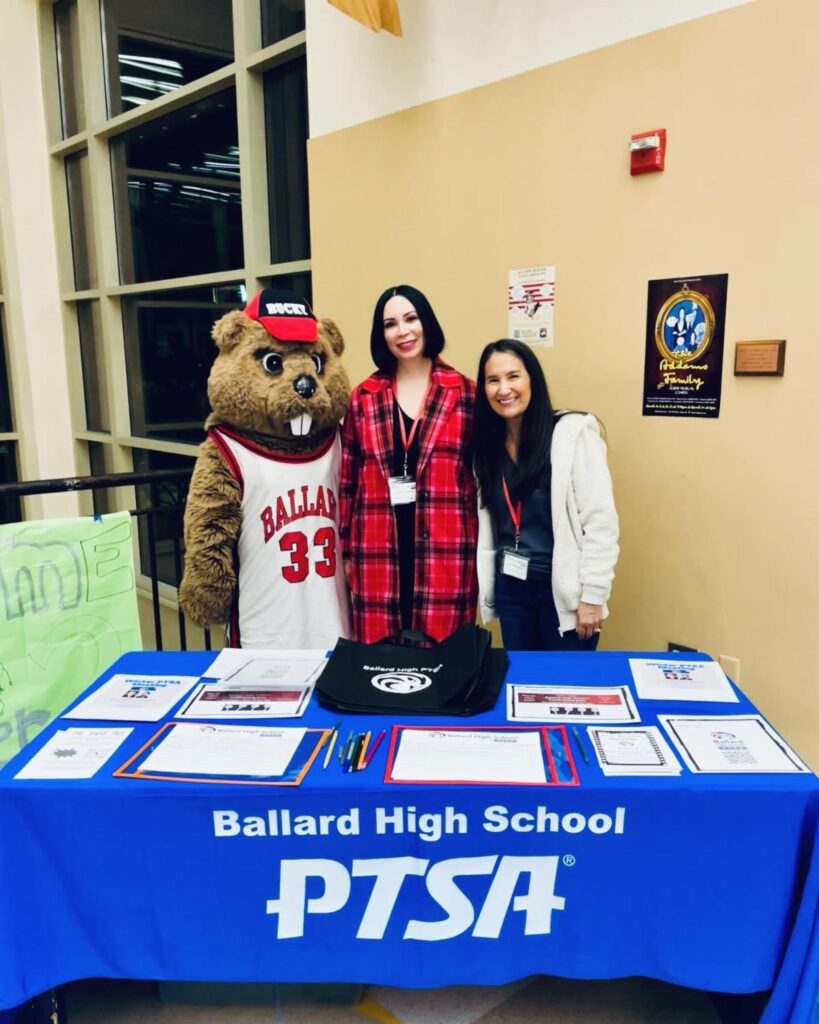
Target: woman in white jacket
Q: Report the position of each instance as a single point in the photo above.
(548, 526)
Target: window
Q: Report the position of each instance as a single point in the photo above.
(166, 233)
(169, 353)
(280, 19)
(67, 33)
(178, 195)
(152, 49)
(82, 236)
(94, 376)
(159, 519)
(285, 91)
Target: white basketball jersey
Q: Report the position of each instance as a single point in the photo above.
(291, 589)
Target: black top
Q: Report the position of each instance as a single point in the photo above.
(405, 514)
(536, 538)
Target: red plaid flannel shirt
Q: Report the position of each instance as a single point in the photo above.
(446, 516)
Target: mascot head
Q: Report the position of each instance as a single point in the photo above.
(278, 371)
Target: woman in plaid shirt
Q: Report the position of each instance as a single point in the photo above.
(408, 506)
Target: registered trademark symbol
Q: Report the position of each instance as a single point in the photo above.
(569, 860)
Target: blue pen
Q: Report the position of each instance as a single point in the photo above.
(345, 746)
(355, 749)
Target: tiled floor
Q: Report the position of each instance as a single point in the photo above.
(536, 1001)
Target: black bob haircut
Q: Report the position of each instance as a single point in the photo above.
(433, 335)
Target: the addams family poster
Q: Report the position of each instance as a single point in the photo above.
(685, 329)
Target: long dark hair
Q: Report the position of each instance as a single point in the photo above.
(433, 335)
(535, 430)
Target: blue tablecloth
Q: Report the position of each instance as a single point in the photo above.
(702, 880)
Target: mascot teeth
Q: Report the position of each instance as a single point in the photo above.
(300, 425)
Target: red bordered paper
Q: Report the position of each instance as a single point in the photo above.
(557, 755)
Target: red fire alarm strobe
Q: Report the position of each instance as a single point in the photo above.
(648, 151)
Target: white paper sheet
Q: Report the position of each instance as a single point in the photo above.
(228, 700)
(730, 743)
(628, 751)
(132, 698)
(241, 665)
(73, 753)
(470, 755)
(199, 749)
(677, 679)
(579, 704)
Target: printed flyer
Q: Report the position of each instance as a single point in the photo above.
(531, 305)
(685, 329)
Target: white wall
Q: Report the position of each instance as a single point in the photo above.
(448, 46)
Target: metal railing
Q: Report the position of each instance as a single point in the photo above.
(161, 496)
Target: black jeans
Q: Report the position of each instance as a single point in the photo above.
(528, 617)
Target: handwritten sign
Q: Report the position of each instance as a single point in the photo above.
(68, 609)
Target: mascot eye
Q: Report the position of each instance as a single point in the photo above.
(318, 361)
(272, 362)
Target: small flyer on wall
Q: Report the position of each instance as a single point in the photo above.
(531, 305)
(685, 330)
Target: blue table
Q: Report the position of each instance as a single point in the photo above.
(709, 881)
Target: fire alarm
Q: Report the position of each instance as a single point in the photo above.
(648, 151)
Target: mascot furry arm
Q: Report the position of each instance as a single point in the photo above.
(277, 383)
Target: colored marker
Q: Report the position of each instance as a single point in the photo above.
(360, 762)
(375, 747)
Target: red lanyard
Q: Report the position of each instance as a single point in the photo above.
(407, 441)
(514, 512)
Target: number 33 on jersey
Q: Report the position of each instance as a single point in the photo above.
(288, 545)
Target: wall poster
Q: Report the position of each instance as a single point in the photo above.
(531, 305)
(685, 330)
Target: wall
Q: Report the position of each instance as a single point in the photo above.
(720, 545)
(452, 45)
(28, 256)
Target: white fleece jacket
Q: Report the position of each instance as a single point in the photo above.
(584, 524)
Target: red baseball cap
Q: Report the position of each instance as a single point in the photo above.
(283, 315)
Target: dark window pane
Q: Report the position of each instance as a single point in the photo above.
(280, 19)
(161, 508)
(100, 460)
(6, 419)
(10, 511)
(178, 204)
(154, 48)
(169, 352)
(286, 115)
(66, 28)
(299, 284)
(94, 378)
(82, 237)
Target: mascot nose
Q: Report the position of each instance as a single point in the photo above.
(304, 386)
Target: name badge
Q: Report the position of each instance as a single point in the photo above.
(402, 490)
(515, 564)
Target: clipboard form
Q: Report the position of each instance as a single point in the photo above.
(486, 756)
(219, 753)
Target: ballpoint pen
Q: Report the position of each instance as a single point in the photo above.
(351, 760)
(580, 746)
(345, 747)
(331, 744)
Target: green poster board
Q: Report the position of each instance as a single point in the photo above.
(68, 609)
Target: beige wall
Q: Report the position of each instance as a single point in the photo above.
(720, 545)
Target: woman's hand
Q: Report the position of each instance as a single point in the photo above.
(589, 618)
